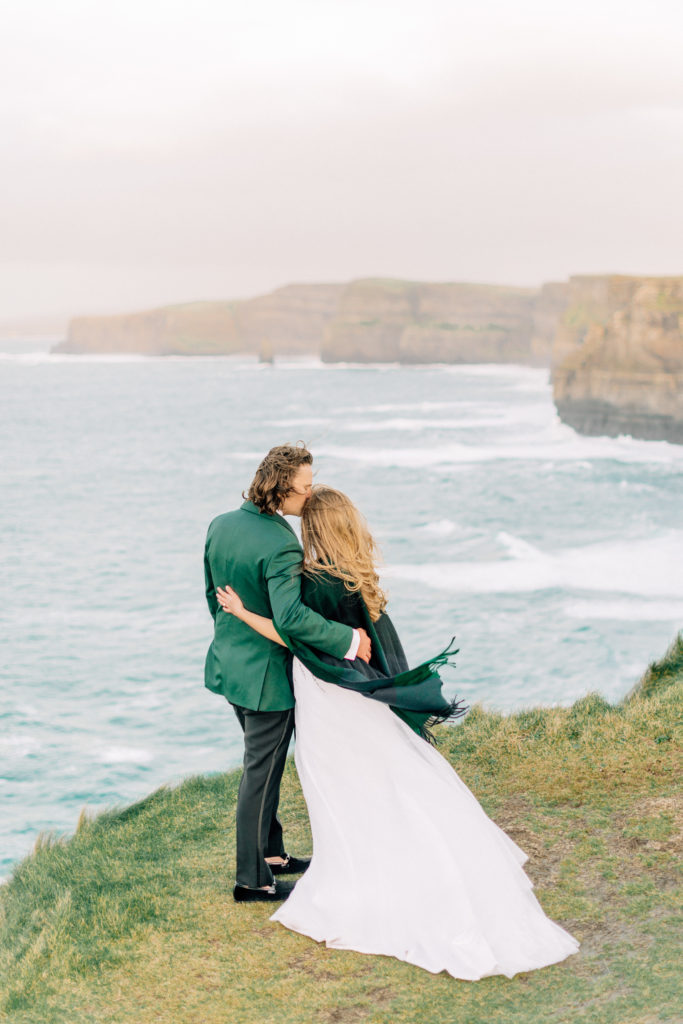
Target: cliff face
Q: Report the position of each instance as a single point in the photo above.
(548, 309)
(615, 343)
(369, 320)
(589, 300)
(402, 321)
(625, 374)
(204, 328)
(289, 320)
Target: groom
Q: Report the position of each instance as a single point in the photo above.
(255, 551)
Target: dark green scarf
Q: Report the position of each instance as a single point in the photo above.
(414, 694)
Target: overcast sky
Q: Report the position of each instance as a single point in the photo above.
(159, 152)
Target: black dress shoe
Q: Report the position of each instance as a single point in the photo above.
(274, 894)
(292, 866)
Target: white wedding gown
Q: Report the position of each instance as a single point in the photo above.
(405, 861)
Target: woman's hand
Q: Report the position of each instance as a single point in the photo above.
(229, 601)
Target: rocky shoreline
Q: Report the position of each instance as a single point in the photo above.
(604, 419)
(613, 343)
(618, 358)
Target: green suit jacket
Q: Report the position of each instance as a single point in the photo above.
(259, 555)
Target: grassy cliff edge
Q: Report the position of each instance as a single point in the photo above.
(132, 918)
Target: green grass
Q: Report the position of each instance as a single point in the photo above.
(582, 315)
(446, 325)
(132, 918)
(397, 284)
(661, 674)
(668, 301)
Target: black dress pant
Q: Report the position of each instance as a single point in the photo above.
(259, 832)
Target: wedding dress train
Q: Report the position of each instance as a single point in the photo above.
(405, 861)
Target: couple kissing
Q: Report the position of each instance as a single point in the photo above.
(405, 863)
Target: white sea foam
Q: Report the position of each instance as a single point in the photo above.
(510, 376)
(33, 358)
(29, 710)
(645, 568)
(626, 611)
(635, 487)
(408, 425)
(241, 361)
(24, 357)
(522, 415)
(414, 406)
(19, 744)
(439, 528)
(301, 421)
(517, 547)
(515, 371)
(306, 362)
(540, 383)
(565, 445)
(125, 755)
(376, 367)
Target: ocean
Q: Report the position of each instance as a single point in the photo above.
(555, 559)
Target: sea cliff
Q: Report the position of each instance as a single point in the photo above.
(618, 357)
(197, 328)
(614, 343)
(382, 320)
(369, 320)
(290, 319)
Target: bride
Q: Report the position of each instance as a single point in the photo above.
(405, 861)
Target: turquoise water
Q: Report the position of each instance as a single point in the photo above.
(554, 558)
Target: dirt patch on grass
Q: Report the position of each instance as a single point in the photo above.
(654, 807)
(346, 1015)
(312, 963)
(510, 817)
(632, 937)
(309, 963)
(381, 996)
(544, 862)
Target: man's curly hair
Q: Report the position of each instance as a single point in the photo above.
(273, 479)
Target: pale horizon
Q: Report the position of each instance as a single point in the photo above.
(157, 156)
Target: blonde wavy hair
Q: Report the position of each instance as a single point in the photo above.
(337, 541)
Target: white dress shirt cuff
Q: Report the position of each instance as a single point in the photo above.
(353, 649)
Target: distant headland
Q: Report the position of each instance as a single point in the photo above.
(613, 343)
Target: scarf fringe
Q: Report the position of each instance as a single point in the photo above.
(455, 708)
(445, 657)
(428, 668)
